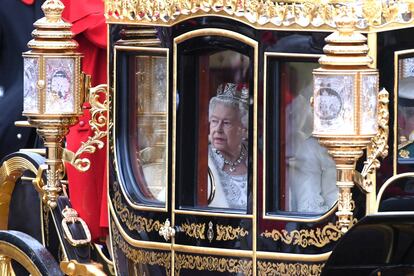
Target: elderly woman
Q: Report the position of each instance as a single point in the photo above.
(227, 152)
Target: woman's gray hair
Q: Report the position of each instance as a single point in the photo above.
(241, 107)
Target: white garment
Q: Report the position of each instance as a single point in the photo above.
(313, 187)
(231, 190)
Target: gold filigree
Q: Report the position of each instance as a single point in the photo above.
(194, 230)
(228, 233)
(306, 237)
(98, 125)
(379, 144)
(273, 269)
(158, 258)
(209, 263)
(132, 221)
(319, 14)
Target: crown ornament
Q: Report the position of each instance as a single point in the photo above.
(234, 92)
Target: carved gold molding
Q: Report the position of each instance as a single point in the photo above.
(379, 145)
(300, 14)
(98, 125)
(137, 256)
(132, 221)
(209, 263)
(228, 233)
(313, 237)
(270, 268)
(194, 230)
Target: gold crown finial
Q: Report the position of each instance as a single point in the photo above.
(53, 10)
(345, 25)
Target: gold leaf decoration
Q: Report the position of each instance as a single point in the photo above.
(228, 233)
(308, 13)
(194, 230)
(306, 237)
(132, 221)
(209, 263)
(98, 125)
(139, 256)
(276, 269)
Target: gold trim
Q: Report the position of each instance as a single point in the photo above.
(228, 233)
(379, 143)
(15, 253)
(162, 259)
(389, 182)
(274, 14)
(194, 230)
(306, 237)
(10, 171)
(264, 213)
(270, 268)
(294, 257)
(213, 251)
(212, 214)
(397, 55)
(203, 263)
(134, 205)
(132, 241)
(98, 125)
(132, 221)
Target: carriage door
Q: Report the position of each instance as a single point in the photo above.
(213, 165)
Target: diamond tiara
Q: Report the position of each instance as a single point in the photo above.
(233, 91)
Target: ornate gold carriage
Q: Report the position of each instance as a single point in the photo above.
(304, 207)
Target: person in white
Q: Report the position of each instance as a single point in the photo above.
(311, 170)
(227, 151)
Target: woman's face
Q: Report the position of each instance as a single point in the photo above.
(226, 130)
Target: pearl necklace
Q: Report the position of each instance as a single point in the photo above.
(234, 164)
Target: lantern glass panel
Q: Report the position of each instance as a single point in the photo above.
(30, 90)
(334, 104)
(369, 88)
(60, 90)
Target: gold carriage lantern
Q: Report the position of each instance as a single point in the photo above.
(345, 107)
(53, 88)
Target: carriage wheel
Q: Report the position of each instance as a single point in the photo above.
(27, 252)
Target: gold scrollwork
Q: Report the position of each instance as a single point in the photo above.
(194, 230)
(273, 269)
(132, 221)
(162, 259)
(304, 237)
(228, 233)
(98, 125)
(316, 13)
(184, 261)
(379, 145)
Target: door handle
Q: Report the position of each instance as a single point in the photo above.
(166, 230)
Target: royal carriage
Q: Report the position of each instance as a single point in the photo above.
(307, 73)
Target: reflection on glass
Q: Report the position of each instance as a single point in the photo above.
(30, 77)
(309, 174)
(151, 125)
(227, 151)
(59, 96)
(223, 131)
(406, 118)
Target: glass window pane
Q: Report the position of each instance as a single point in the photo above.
(406, 111)
(213, 127)
(306, 182)
(149, 125)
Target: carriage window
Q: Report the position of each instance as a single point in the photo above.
(213, 129)
(406, 110)
(143, 105)
(300, 173)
